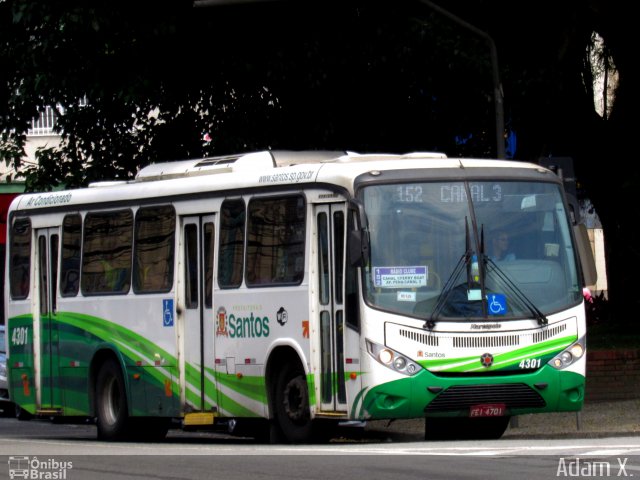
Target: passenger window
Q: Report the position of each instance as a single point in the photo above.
(191, 265)
(154, 249)
(275, 241)
(20, 259)
(106, 252)
(71, 249)
(231, 254)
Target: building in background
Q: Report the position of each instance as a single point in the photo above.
(41, 134)
(596, 236)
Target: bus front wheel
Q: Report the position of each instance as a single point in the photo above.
(460, 428)
(22, 414)
(292, 404)
(111, 402)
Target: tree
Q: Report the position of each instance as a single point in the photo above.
(356, 75)
(342, 76)
(543, 51)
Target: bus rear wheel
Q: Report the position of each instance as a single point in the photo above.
(292, 405)
(149, 429)
(111, 403)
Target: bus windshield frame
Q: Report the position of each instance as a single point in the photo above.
(505, 253)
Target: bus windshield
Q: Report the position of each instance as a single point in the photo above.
(505, 254)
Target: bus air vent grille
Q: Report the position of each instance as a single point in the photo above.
(462, 397)
(486, 341)
(424, 338)
(548, 333)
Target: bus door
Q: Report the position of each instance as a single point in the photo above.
(46, 275)
(330, 227)
(196, 332)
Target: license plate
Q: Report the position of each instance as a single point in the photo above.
(488, 410)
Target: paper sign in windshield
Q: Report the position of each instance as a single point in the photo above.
(400, 277)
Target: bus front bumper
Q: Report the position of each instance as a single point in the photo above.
(425, 394)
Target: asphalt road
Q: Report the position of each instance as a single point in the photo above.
(42, 449)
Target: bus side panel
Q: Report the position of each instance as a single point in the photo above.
(150, 394)
(353, 369)
(74, 382)
(149, 369)
(22, 390)
(250, 323)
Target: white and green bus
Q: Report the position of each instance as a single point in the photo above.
(276, 294)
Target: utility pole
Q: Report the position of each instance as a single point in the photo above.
(497, 86)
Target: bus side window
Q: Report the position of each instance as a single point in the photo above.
(352, 312)
(275, 241)
(191, 265)
(153, 255)
(71, 249)
(231, 253)
(106, 252)
(209, 245)
(20, 259)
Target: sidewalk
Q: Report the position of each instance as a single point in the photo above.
(597, 419)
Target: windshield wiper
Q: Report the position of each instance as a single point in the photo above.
(446, 290)
(519, 294)
(479, 246)
(448, 286)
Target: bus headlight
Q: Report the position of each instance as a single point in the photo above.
(569, 355)
(392, 359)
(399, 363)
(577, 350)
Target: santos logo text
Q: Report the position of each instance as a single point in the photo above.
(248, 327)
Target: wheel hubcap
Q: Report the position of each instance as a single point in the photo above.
(295, 399)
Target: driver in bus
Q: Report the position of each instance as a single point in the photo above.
(500, 248)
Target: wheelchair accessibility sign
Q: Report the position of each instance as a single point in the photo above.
(167, 312)
(496, 304)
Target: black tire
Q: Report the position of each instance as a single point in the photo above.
(292, 405)
(324, 430)
(111, 403)
(490, 428)
(149, 429)
(437, 428)
(22, 414)
(456, 428)
(262, 430)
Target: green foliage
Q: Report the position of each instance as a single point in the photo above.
(153, 78)
(355, 75)
(66, 53)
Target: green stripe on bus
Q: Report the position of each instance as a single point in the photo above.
(543, 351)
